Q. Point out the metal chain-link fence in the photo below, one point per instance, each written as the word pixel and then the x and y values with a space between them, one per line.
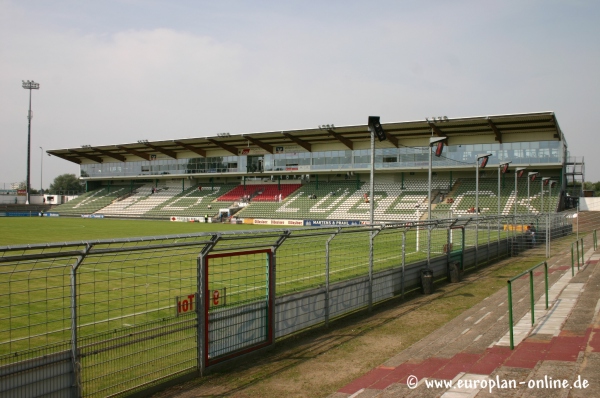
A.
pixel 113 317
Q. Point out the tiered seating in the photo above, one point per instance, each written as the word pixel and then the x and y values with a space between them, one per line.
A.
pixel 299 204
pixel 260 192
pixel 143 200
pixel 238 192
pixel 271 192
pixel 391 204
pixel 92 201
pixel 193 203
pixel 464 198
pixel 423 184
pixel 343 201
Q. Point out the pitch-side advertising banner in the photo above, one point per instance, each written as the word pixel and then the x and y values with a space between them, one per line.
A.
pixel 264 221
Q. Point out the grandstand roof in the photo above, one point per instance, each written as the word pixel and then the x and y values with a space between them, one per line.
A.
pixel 500 128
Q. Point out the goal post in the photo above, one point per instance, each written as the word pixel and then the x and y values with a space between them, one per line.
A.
pixel 236 303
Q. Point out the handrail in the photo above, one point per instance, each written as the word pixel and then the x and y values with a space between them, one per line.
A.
pixel 531 298
pixel 579 257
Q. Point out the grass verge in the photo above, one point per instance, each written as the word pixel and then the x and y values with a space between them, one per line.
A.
pixel 318 362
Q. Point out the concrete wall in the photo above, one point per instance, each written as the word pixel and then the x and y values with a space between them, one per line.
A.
pixel 589 204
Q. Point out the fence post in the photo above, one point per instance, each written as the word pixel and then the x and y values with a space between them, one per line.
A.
pixel 327 277
pixel 546 281
pixel 498 241
pixel 372 236
pixel 74 347
pixel 577 255
pixel 572 261
pixel 488 242
pixel 428 245
pixel 403 262
pixel 582 254
pixel 531 299
pixel 477 240
pixel 548 236
pixel 272 276
pixel 202 288
pixel 510 317
pixel 514 236
pixel 448 251
pixel 371 254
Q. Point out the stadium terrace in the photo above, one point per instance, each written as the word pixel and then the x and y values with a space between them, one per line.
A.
pixel 323 173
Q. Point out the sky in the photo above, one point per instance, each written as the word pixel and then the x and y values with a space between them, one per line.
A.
pixel 118 71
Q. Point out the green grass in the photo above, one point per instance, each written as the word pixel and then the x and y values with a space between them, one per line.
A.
pixel 29 230
pixel 119 294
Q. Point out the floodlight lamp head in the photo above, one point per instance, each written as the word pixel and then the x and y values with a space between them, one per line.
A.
pixel 504 166
pixel 435 140
pixel 375 126
pixel 484 162
pixel 30 85
pixel 545 180
pixel 532 175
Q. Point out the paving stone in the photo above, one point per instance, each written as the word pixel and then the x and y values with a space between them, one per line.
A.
pixel 564 342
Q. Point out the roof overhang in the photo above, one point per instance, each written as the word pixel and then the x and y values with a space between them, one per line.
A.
pixel 495 128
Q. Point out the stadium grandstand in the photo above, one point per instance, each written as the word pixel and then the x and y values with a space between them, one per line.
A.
pixel 297 177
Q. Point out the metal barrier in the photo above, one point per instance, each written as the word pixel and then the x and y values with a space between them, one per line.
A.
pixel 531 297
pixel 578 257
pixel 121 316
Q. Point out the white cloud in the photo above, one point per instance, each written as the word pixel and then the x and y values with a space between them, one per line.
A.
pixel 199 69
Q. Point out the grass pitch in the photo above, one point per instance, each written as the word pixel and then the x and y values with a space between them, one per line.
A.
pixel 29 230
pixel 121 296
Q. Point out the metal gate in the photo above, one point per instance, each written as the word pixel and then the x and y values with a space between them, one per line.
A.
pixel 238 304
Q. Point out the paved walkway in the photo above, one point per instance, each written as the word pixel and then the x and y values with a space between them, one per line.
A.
pixel 562 346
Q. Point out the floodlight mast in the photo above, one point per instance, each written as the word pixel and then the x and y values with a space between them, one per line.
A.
pixel 485 157
pixel 479 157
pixel 529 175
pixel 542 183
pixel 502 167
pixel 517 171
pixel 29 85
pixel 432 142
pixel 41 170
pixel 376 130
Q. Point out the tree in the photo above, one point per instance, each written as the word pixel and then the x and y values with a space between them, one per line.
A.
pixel 64 183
